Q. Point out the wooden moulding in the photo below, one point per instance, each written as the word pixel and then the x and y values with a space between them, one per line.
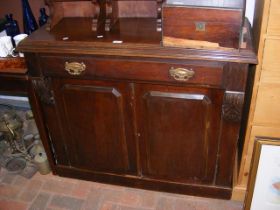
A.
pixel 104 13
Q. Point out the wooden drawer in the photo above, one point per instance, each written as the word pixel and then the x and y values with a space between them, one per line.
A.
pixel 270 77
pixel 273 27
pixel 208 74
pixel 267 105
pixel 271 61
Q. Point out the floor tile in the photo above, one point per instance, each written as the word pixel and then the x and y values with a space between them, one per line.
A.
pixel 12 205
pixel 40 202
pixel 58 186
pixel 66 202
pixel 8 191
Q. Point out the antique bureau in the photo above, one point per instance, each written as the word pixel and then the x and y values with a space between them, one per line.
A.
pixel 117 106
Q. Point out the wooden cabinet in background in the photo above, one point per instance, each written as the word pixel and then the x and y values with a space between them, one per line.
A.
pixel 13 76
pixel 264 120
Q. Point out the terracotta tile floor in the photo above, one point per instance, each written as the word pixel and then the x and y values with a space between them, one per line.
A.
pixel 53 192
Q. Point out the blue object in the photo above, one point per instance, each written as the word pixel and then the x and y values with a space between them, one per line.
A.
pixel 43 17
pixel 29 22
pixel 11 26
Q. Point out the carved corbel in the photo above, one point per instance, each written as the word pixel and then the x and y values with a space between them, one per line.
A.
pixel 43 89
pixel 233 106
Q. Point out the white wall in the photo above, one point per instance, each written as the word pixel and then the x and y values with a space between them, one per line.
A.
pixel 250 6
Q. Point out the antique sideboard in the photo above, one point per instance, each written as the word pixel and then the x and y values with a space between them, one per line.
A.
pixel 114 105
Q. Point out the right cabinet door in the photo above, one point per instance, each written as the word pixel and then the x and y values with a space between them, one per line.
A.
pixel 178 130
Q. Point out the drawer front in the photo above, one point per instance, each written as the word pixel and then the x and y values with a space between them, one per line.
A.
pixel 271 61
pixel 135 70
pixel 267 105
pixel 270 77
pixel 274 16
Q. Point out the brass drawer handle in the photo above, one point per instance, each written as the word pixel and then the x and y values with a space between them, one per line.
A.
pixel 181 74
pixel 75 68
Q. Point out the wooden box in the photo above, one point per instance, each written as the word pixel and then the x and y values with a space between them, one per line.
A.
pixel 203 23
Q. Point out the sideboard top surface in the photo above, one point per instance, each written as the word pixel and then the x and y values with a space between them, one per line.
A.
pixel 130 37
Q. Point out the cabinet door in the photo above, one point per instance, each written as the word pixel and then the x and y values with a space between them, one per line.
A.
pixel 94 120
pixel 179 132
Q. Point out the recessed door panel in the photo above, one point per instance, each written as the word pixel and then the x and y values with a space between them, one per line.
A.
pixel 94 122
pixel 179 132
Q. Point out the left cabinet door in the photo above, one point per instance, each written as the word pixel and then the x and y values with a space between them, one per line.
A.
pixel 95 121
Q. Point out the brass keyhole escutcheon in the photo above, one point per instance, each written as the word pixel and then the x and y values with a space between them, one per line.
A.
pixel 200 26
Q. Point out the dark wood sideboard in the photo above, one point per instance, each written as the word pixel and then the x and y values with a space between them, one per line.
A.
pixel 136 113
